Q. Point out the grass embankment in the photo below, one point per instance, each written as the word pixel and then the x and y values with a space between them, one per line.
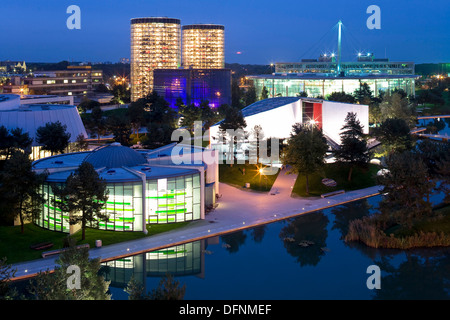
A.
pixel 239 174
pixel 15 246
pixel 361 178
pixel 430 232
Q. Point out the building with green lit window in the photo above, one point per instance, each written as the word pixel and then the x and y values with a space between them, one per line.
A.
pixel 145 187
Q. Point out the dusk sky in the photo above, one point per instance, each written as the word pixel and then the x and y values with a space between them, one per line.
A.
pixel 263 31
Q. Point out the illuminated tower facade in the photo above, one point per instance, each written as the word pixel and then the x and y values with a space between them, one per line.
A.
pixel 155 44
pixel 203 46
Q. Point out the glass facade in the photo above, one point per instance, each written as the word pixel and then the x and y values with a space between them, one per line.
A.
pixel 203 46
pixel 155 44
pixel 194 86
pixel 173 199
pixel 180 260
pixel 349 68
pixel 290 86
pixel 51 217
pixel 168 200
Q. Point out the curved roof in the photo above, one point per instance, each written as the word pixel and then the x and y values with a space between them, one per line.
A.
pixel 30 117
pixel 115 156
pixel 267 104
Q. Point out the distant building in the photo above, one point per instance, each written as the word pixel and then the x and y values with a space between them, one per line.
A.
pixel 29 115
pixel 203 46
pixel 76 80
pixel 194 86
pixel 320 77
pixel 155 44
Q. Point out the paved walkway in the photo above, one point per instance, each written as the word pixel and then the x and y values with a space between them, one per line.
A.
pixel 238 209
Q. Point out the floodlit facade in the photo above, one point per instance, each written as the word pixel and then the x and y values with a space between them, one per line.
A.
pixel 155 44
pixel 194 86
pixel 145 187
pixel 276 116
pixel 203 46
pixel 30 114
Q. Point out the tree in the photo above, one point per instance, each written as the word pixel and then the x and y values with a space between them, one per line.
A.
pixel 208 115
pixel 396 105
pixel 341 97
pixel 189 114
pixel 443 169
pixel 258 136
pixel 395 135
pixel 405 186
pixel 158 135
pixel 6 274
pixel 136 114
pixel 233 121
pixel 159 110
pixel 120 127
pixel 19 188
pixel 88 104
pixel 83 196
pixel 264 93
pixel 236 94
pixel 54 286
pixel 305 151
pixel 53 137
pixel 364 94
pixel 250 96
pixel 13 140
pixel 96 123
pixel 353 149
pixel 81 144
pixel 168 289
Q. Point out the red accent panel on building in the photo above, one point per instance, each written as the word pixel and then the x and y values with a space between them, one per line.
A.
pixel 318 114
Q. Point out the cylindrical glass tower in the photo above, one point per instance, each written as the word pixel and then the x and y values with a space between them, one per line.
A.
pixel 203 46
pixel 155 44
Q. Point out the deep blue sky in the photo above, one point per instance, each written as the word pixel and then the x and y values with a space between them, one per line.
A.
pixel 264 31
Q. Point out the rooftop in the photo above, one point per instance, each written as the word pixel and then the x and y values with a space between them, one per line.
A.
pixel 329 76
pixel 115 156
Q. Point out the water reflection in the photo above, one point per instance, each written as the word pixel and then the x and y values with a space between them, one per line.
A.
pixel 181 260
pixel 345 213
pixel 305 238
pixel 235 263
pixel 419 276
pixel 233 241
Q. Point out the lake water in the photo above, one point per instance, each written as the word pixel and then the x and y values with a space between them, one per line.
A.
pixel 261 264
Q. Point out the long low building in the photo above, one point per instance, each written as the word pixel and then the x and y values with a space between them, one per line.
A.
pixel 318 84
pixel 145 186
pixel 276 116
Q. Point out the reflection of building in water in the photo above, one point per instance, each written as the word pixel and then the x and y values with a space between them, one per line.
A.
pixel 181 260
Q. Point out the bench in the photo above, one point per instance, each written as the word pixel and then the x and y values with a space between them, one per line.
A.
pixel 46 254
pixel 41 246
pixel 330 194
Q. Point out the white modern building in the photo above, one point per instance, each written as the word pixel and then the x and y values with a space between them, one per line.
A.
pixel 30 114
pixel 276 116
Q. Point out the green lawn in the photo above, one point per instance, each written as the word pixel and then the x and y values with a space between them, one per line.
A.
pixel 16 246
pixel 234 175
pixel 361 178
